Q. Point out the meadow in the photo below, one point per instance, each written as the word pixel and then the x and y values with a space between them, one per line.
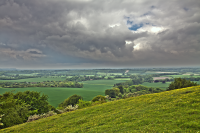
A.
pixel 169 111
pixel 181 76
pixel 157 85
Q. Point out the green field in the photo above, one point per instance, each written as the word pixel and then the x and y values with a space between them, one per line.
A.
pixel 180 76
pixel 198 82
pixel 122 79
pixel 59 94
pixel 157 85
pixel 175 111
pixel 101 73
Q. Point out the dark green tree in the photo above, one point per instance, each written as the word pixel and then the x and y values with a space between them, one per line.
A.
pixel 14 113
pixel 99 98
pixel 112 93
pixel 180 83
pixel 107 92
pixel 38 103
pixel 121 88
pixel 72 100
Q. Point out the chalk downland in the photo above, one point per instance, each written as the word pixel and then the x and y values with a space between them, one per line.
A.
pixel 170 111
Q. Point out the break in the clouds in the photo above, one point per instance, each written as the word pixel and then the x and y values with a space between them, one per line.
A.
pixel 99 33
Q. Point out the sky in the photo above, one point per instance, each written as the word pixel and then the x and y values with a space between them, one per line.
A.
pixel 80 34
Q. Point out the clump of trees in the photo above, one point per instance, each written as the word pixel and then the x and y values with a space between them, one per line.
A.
pixel 180 83
pixel 84 78
pixel 122 91
pixel 16 108
pixel 136 80
pixel 140 90
pixel 17 77
pixel 72 100
pixel 41 84
pixel 99 98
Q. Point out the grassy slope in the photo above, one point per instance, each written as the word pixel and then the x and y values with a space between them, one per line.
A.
pixel 171 111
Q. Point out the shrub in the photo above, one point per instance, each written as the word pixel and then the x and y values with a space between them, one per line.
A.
pixel 107 92
pixel 107 96
pixel 13 113
pixel 36 117
pixel 70 108
pixel 99 98
pixel 33 118
pixel 121 88
pixel 125 96
pixel 36 101
pixel 72 100
pixel 120 95
pixel 112 94
pixel 1 124
pixel 83 104
pixel 117 91
pixel 180 83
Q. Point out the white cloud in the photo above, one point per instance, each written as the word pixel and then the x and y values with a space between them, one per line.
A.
pixel 113 25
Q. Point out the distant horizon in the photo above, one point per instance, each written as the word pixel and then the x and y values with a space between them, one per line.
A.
pixel 100 68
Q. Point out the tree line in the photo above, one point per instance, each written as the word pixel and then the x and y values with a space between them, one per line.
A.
pixel 69 84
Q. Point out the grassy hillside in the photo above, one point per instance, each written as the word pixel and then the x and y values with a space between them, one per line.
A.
pixel 171 111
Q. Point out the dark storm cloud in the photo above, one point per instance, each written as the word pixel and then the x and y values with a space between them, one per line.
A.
pixel 98 31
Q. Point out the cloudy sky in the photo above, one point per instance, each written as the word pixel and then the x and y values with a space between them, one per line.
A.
pixel 61 34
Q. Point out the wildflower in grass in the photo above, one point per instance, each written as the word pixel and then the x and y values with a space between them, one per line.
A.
pixel 0 119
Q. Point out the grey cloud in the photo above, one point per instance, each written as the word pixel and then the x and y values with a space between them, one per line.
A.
pixel 80 29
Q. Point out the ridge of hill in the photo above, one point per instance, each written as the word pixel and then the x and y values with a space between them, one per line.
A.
pixel 170 111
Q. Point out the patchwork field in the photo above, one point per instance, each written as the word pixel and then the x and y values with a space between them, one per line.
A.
pixel 59 94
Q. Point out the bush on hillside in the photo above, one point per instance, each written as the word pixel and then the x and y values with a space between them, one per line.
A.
pixel 121 88
pixel 36 117
pixel 38 103
pixel 83 104
pixel 117 91
pixel 99 98
pixel 14 113
pixel 70 108
pixel 72 100
pixel 112 93
pixel 180 83
pixel 120 95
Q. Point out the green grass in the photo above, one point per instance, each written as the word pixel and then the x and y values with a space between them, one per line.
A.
pixel 157 85
pixel 122 78
pixel 59 94
pixel 198 82
pixel 180 76
pixel 102 73
pixel 173 111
